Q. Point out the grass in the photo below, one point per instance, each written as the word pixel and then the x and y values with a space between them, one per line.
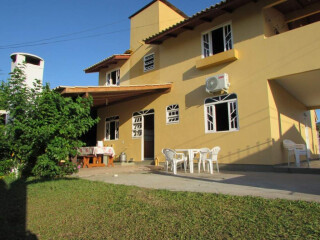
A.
pixel 81 209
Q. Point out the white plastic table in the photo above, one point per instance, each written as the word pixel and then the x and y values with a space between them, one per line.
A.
pixel 191 152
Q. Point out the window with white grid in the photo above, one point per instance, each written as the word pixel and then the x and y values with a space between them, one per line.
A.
pixel 137 122
pixel 217 40
pixel 173 114
pixel 137 126
pixel 221 113
pixel 112 128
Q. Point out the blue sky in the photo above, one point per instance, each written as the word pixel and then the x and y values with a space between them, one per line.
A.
pixel 71 35
pixel 98 29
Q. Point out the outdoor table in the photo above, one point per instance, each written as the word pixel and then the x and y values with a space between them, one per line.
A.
pixel 96 154
pixel 191 152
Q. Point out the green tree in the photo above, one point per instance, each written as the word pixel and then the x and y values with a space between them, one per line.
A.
pixel 44 127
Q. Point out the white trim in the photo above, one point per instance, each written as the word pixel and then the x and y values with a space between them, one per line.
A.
pixel 144 62
pixel 117 124
pixel 212 104
pixel 117 77
pixel 210 37
pixel 167 114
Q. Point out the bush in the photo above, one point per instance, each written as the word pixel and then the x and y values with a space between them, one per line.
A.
pixel 44 128
pixel 6 166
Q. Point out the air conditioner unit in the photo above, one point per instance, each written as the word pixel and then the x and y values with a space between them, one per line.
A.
pixel 217 83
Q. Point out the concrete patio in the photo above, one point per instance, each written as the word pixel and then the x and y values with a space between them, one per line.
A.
pixel 292 186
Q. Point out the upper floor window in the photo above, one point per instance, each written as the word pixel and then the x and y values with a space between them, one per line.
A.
pixel 173 113
pixel 217 40
pixel 221 113
pixel 112 128
pixel 148 62
pixel 113 78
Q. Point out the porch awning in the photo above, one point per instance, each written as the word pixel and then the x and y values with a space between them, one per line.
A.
pixel 107 95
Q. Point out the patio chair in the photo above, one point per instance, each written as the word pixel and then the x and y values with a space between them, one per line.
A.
pixel 203 154
pixel 197 159
pixel 174 159
pixel 296 150
pixel 210 156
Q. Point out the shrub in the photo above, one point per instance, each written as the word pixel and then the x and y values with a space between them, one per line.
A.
pixel 6 166
pixel 44 127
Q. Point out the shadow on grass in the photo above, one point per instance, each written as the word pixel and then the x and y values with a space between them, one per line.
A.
pixel 13 209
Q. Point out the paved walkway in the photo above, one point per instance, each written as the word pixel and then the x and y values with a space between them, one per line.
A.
pixel 263 184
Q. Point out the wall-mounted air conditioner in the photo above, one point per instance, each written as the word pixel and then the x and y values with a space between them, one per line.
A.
pixel 217 83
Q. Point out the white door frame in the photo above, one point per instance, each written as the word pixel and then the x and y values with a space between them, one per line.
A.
pixel 143 114
pixel 142 137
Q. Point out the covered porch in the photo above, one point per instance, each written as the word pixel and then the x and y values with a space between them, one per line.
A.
pixel 106 97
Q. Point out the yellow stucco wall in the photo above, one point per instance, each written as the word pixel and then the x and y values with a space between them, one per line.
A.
pixel 267 112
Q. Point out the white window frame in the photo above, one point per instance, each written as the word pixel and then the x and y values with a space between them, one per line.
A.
pixel 209 109
pixel 210 50
pixel 108 78
pixel 145 59
pixel 114 119
pixel 172 112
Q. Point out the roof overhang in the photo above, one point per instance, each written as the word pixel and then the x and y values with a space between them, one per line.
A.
pixel 304 87
pixel 207 15
pixel 108 95
pixel 114 59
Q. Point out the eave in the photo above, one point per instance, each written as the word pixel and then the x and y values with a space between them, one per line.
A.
pixel 114 59
pixel 189 24
pixel 108 95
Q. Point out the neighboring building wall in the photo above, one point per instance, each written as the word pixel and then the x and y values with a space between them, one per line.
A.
pixel 260 59
pixel 33 70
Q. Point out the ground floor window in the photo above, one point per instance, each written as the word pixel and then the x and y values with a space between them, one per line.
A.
pixel 221 113
pixel 112 128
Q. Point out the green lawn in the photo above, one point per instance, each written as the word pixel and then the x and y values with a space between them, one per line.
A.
pixel 81 209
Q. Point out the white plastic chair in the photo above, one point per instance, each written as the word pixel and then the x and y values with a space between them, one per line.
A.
pixel 171 158
pixel 203 152
pixel 210 156
pixel 296 150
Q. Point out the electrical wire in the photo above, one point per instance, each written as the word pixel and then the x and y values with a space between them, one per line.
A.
pixel 61 36
pixel 47 41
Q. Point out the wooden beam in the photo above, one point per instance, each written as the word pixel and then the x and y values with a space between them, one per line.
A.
pixel 171 35
pixel 106 89
pixel 303 13
pixel 313 107
pixel 228 10
pixel 188 27
pixel 274 3
pixel 206 19
pixel 299 3
pixel 157 42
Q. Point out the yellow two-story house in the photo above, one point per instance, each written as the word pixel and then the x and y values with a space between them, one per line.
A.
pixel 243 75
